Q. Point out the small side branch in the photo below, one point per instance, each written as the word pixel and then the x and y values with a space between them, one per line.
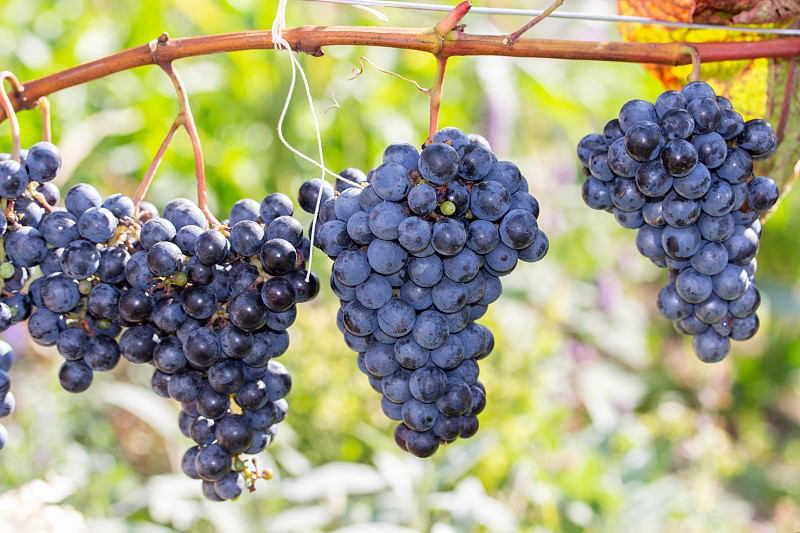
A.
pixel 546 13
pixel 451 20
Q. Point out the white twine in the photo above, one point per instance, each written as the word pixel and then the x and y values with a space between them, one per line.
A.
pixel 278 25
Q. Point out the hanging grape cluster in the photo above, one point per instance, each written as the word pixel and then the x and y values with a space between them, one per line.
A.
pixel 420 245
pixel 680 172
pixel 208 308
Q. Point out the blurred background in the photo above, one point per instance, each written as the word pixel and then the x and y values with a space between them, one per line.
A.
pixel 599 417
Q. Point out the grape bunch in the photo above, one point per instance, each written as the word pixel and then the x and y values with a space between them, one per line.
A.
pixel 7 401
pixel 419 248
pixel 680 172
pixel 207 308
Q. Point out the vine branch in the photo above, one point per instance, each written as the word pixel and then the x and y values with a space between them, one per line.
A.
pixel 312 39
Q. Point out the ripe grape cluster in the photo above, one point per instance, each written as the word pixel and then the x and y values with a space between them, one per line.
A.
pixel 680 172
pixel 419 247
pixel 207 308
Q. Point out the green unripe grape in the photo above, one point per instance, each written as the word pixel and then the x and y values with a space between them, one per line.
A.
pixel 179 279
pixel 6 270
pixel 84 286
pixel 104 324
pixel 447 208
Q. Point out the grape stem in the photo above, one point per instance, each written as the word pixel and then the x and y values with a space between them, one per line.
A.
pixel 8 109
pixel 442 28
pixel 435 95
pixel 141 191
pixel 312 39
pixel 184 119
pixel 44 105
pixel 692 51
pixel 517 34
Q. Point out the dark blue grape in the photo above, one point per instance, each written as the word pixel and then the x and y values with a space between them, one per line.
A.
pixel 706 114
pixel 587 145
pixel 669 100
pixel 596 194
pixel 138 343
pixel 719 199
pixel 391 182
pixel 644 141
pixel 247 238
pixel 97 224
pixel 731 283
pixel 762 193
pixel 59 293
pixel 184 212
pixel 710 347
pixel 75 376
pixel 81 197
pixel 758 138
pixel 742 245
pixel 692 286
pixel 384 220
pixel 635 111
pixel 599 165
pixel 43 161
pixel 475 162
pixel 111 265
pixel 13 179
pixel 386 257
pixel 422 199
pixel 102 353
pixel 697 89
pixel 28 212
pixel 164 259
pixel 438 163
pixel 278 257
pixel 402 154
pixel 711 149
pixel 72 343
pixel 430 329
pixel 731 123
pixel 26 247
pixel 157 230
pixel 652 180
pixel 59 228
pixel 625 195
pixel 358 228
pixel 278 294
pixel 396 318
pixel 619 160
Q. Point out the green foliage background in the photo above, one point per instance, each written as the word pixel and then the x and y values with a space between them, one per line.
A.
pixel 599 418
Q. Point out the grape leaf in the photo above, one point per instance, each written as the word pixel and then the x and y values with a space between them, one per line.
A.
pixel 757 87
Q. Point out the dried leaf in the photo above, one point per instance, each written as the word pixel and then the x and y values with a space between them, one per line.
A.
pixel 757 87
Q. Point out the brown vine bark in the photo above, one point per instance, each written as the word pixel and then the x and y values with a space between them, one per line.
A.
pixel 312 39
